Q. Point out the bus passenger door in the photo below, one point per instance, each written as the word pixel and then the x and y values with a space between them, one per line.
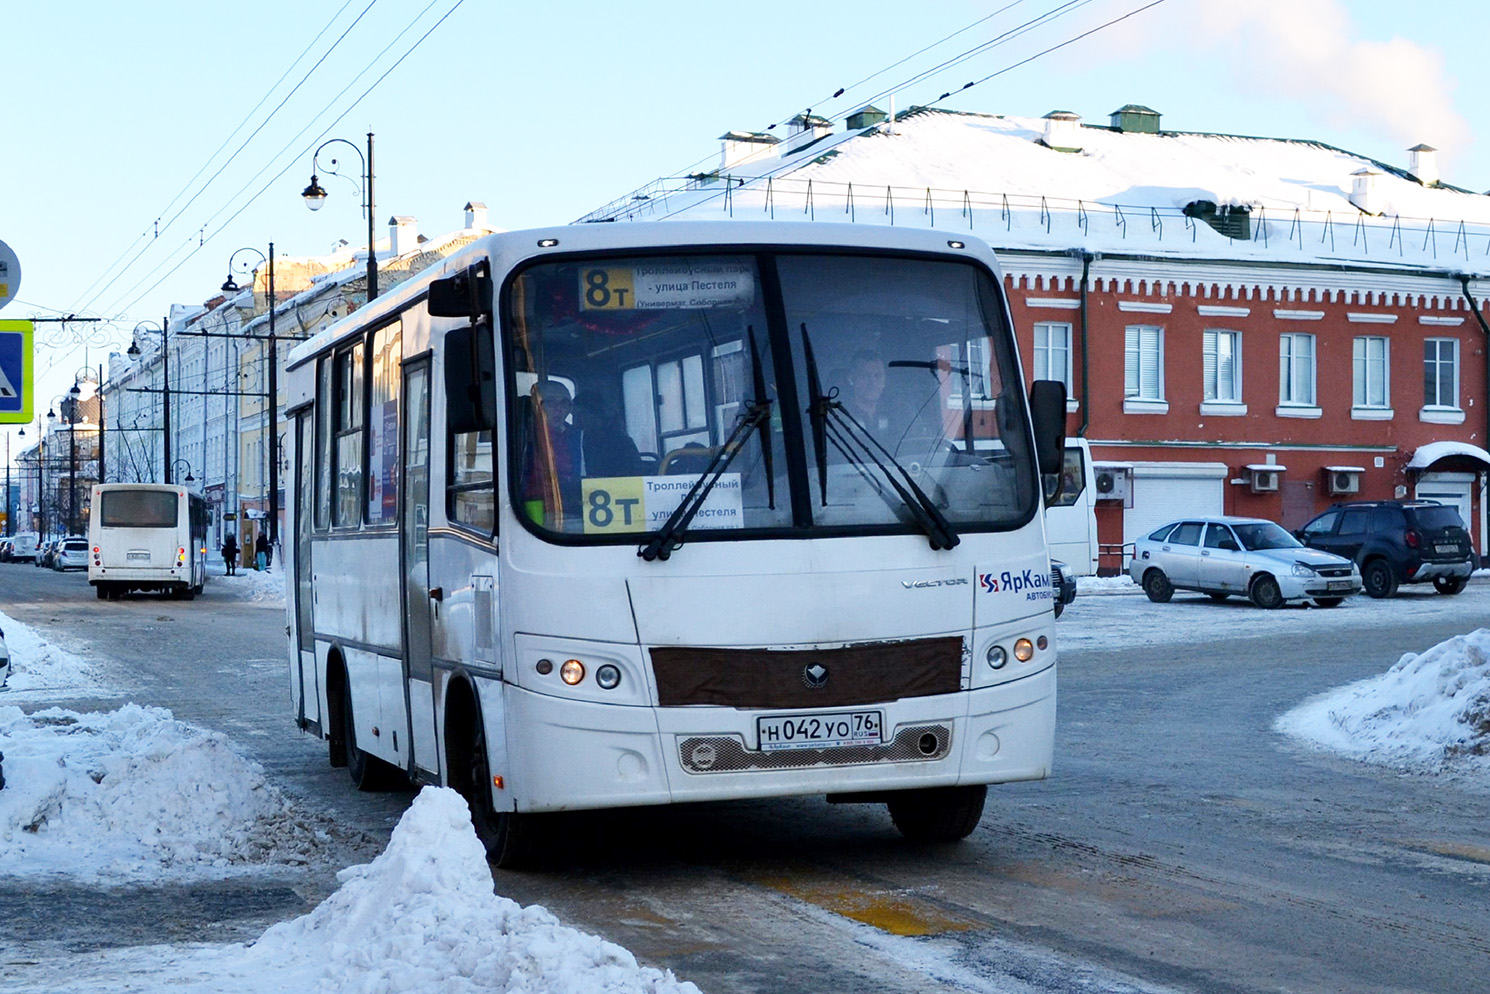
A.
pixel 414 527
pixel 309 703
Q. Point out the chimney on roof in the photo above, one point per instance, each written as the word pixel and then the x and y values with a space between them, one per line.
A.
pixel 806 128
pixel 1363 190
pixel 403 234
pixel 737 146
pixel 865 117
pixel 1063 131
pixel 1422 162
pixel 476 214
pixel 1136 119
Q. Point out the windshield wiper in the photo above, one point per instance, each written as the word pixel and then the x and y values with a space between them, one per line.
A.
pixel 757 417
pixel 832 422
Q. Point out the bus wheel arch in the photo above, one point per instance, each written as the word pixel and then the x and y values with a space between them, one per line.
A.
pixel 507 836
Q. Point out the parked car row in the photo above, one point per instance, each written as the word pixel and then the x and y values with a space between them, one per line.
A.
pixel 1370 545
pixel 58 554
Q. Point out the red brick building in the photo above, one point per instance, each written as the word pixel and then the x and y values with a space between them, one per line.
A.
pixel 1246 325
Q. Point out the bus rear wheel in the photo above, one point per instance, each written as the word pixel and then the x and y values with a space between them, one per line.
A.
pixel 938 814
pixel 369 773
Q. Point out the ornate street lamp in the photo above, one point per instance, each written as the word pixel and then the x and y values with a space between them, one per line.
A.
pixel 229 286
pixel 315 195
pixel 165 351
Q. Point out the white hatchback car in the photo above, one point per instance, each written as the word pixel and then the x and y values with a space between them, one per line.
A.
pixel 1249 556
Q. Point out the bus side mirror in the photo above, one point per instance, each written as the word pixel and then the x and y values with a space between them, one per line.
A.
pixel 470 379
pixel 467 294
pixel 1048 416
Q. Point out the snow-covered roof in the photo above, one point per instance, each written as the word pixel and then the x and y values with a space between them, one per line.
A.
pixel 1119 193
pixel 1427 455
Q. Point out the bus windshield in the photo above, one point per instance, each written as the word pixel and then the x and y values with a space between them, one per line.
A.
pixel 891 396
pixel 139 509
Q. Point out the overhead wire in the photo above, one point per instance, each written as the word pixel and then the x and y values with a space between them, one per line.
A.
pixel 203 236
pixel 1017 31
pixel 264 123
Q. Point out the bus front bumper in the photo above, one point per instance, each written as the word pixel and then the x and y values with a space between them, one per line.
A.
pixel 647 756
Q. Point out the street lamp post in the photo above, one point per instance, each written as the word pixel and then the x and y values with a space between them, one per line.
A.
pixel 315 196
pixel 231 287
pixel 165 352
pixel 188 478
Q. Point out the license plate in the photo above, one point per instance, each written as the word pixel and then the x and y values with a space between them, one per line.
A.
pixel 137 557
pixel 1340 585
pixel 1446 549
pixel 818 731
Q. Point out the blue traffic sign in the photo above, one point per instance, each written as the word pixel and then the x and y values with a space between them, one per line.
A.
pixel 16 388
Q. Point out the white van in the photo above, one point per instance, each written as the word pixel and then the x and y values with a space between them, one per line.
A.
pixel 1071 522
pixel 23 547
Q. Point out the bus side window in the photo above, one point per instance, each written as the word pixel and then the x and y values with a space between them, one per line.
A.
pixel 382 425
pixel 350 399
pixel 323 445
pixel 470 484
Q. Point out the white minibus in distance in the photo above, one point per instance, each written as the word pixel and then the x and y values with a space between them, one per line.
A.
pixel 147 536
pixel 637 514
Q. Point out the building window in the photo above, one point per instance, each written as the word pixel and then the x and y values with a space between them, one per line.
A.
pixel 1296 370
pixel 1370 364
pixel 1143 364
pixel 1053 352
pixel 1441 373
pixel 1222 367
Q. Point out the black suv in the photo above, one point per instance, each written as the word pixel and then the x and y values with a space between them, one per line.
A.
pixel 1396 541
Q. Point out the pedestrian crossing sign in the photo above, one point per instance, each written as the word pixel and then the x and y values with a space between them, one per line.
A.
pixel 16 388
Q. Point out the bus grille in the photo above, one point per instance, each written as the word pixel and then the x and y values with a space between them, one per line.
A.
pixel 727 754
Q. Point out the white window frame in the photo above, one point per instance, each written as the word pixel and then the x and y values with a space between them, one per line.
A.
pixel 1298 375
pixel 1221 390
pixel 1143 345
pixel 1438 409
pixel 1371 378
pixel 1052 360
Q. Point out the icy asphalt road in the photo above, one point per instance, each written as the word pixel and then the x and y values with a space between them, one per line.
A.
pixel 1181 844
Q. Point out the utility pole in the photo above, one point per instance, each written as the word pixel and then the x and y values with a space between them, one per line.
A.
pixel 274 401
pixel 165 352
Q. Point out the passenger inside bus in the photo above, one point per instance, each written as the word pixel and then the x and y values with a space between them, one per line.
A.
pixel 604 445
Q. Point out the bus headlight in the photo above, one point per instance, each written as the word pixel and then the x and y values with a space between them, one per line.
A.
pixel 1024 650
pixel 572 672
pixel 608 676
pixel 997 657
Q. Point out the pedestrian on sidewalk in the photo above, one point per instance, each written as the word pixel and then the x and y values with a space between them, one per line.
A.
pixel 261 551
pixel 230 554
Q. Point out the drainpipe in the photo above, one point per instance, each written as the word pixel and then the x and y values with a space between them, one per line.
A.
pixel 1087 258
pixel 1485 399
pixel 1485 329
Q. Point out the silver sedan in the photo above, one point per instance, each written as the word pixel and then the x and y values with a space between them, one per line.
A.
pixel 1249 556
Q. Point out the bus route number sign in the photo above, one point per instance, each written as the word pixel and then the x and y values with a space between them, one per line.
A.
pixel 613 504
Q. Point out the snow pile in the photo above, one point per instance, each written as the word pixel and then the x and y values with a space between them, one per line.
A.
pixel 1429 711
pixel 37 666
pixel 135 794
pixel 423 917
pixel 259 586
pixel 1089 586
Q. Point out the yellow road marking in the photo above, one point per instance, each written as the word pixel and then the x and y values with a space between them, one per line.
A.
pixel 892 911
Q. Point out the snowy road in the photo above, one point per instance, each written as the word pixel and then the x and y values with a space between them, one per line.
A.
pixel 1182 844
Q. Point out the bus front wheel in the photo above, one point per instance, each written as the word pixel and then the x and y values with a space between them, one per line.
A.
pixel 507 836
pixel 938 814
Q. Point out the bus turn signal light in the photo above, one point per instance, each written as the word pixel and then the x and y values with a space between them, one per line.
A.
pixel 572 672
pixel 1024 650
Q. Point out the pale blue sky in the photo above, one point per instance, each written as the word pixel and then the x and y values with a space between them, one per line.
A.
pixel 546 111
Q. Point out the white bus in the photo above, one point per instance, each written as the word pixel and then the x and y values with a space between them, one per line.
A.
pixel 637 514
pixel 147 536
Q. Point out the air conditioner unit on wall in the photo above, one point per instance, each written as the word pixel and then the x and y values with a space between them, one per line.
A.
pixel 1113 482
pixel 1265 477
pixel 1341 480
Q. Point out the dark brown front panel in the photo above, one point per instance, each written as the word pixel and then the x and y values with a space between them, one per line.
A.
pixel 774 678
